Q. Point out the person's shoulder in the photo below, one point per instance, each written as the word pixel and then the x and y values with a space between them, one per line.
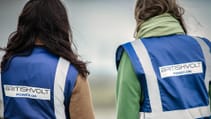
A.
pixel 206 40
pixel 73 72
pixel 73 68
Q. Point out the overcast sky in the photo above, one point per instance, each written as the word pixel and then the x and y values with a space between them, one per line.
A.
pixel 99 26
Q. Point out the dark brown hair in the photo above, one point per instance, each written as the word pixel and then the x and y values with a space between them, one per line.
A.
pixel 47 21
pixel 146 9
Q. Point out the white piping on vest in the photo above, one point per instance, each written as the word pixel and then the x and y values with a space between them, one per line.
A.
pixel 59 85
pixel 192 113
pixel 151 79
pixel 1 93
pixel 207 56
pixel 1 100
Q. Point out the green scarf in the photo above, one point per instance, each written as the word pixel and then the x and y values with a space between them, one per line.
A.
pixel 160 25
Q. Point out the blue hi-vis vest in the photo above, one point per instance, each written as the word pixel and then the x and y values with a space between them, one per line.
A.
pixel 174 72
pixel 38 86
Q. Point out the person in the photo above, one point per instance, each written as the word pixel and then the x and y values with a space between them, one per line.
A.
pixel 42 77
pixel 164 73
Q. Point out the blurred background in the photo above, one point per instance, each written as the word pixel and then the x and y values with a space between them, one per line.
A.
pixel 99 26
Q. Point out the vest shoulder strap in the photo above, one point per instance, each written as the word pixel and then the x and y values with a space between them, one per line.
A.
pixel 206 49
pixel 59 85
pixel 129 50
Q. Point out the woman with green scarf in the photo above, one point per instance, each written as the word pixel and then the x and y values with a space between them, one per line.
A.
pixel 164 73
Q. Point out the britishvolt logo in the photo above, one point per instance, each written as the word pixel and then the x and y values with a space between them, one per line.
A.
pixel 27 92
pixel 181 69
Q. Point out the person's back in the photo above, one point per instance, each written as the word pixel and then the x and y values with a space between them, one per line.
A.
pixel 164 73
pixel 29 85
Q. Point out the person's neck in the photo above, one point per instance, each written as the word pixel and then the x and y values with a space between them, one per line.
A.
pixel 39 42
pixel 161 25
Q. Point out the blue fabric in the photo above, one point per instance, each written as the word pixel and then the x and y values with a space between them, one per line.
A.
pixel 69 86
pixel 119 53
pixel 204 118
pixel 36 70
pixel 207 42
pixel 179 92
pixel 145 106
pixel 176 91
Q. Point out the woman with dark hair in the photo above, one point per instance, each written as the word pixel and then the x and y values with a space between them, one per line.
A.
pixel 42 77
pixel 164 73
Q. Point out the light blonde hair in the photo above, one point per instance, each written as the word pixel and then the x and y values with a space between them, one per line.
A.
pixel 146 9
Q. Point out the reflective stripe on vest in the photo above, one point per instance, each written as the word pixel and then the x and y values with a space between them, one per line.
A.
pixel 1 100
pixel 1 95
pixel 207 56
pixel 59 84
pixel 154 92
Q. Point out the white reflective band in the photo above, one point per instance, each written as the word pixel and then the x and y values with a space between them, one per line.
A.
pixel 181 69
pixel 1 100
pixel 27 92
pixel 1 94
pixel 207 56
pixel 192 113
pixel 59 85
pixel 151 79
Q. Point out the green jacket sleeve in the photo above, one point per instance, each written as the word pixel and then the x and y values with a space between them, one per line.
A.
pixel 128 91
